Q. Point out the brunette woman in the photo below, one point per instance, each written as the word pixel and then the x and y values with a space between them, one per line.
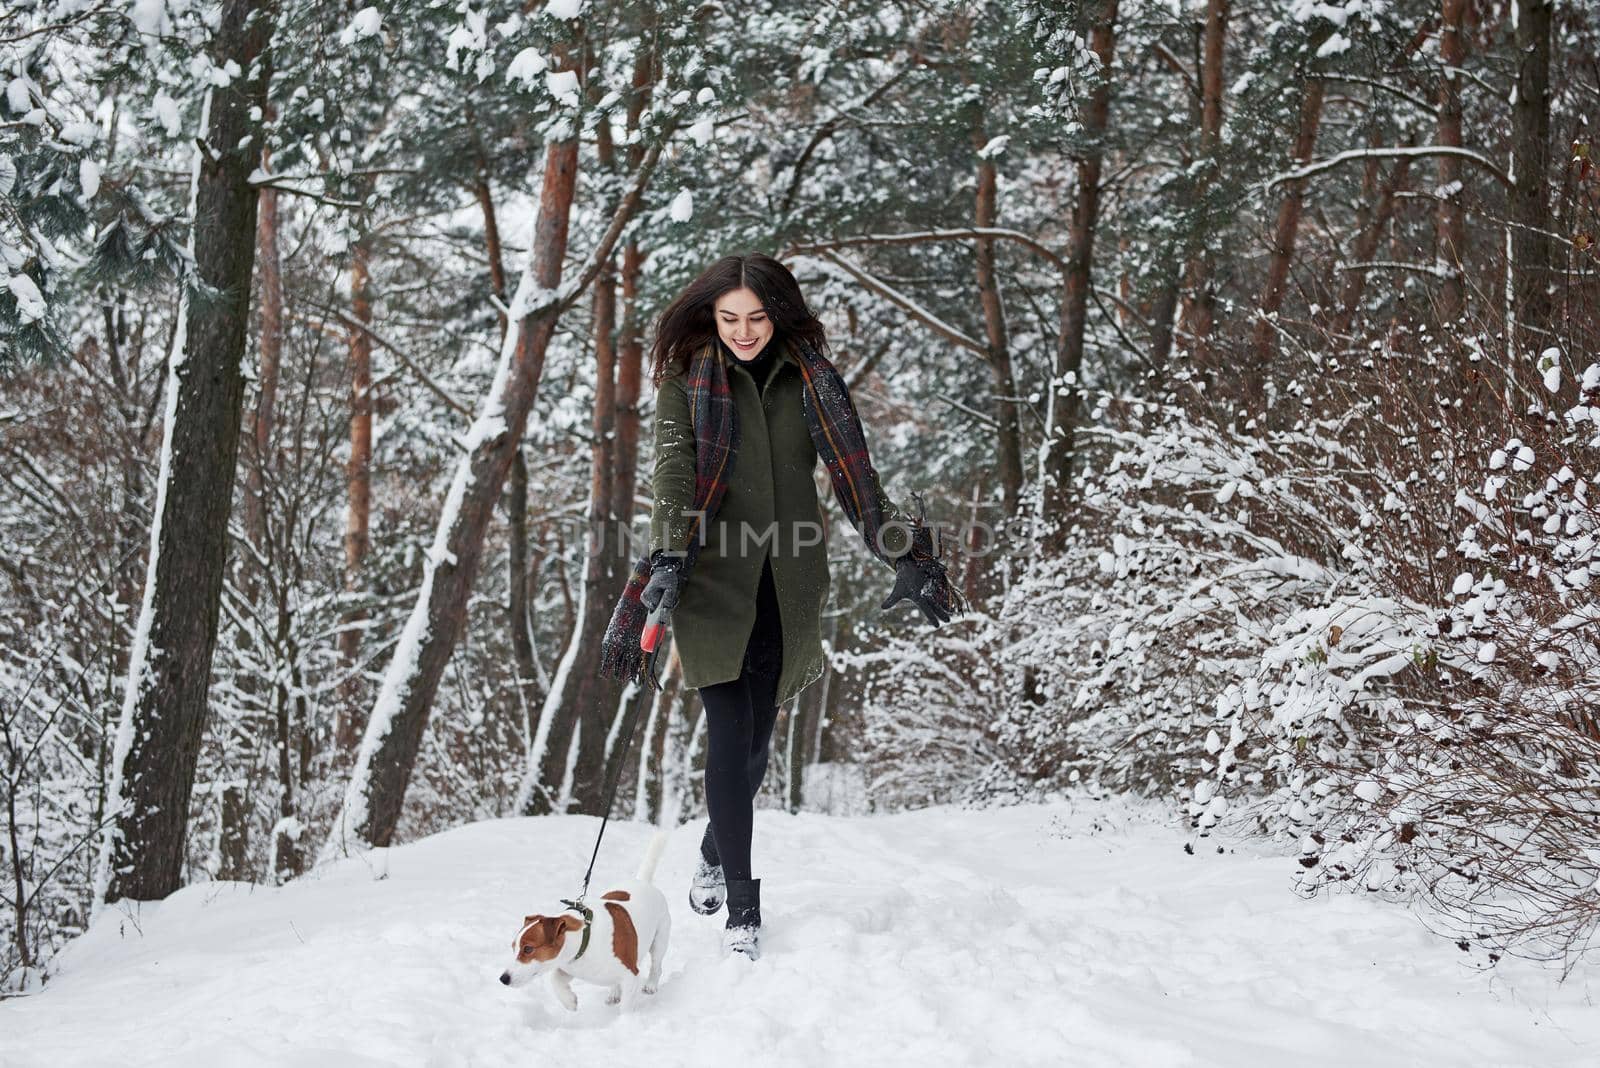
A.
pixel 746 403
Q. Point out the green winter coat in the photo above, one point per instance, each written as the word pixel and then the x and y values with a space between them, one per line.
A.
pixel 770 508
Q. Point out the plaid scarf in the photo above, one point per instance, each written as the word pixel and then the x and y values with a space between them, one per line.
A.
pixel 840 442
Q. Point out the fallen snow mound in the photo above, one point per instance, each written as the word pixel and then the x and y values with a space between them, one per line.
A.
pixel 1040 935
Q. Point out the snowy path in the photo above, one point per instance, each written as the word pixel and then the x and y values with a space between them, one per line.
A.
pixel 1034 935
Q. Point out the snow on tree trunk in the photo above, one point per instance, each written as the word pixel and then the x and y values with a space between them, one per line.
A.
pixel 377 787
pixel 164 710
pixel 519 612
pixel 542 780
pixel 581 693
pixel 530 673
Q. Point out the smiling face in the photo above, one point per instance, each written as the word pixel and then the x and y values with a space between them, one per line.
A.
pixel 742 323
pixel 539 947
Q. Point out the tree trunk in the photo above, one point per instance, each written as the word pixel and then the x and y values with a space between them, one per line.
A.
pixel 1211 69
pixel 236 811
pixel 646 769
pixel 377 788
pixel 1531 259
pixel 288 860
pixel 358 481
pixel 234 848
pixel 804 726
pixel 1068 384
pixel 689 760
pixel 657 790
pixel 581 693
pixel 630 377
pixel 372 802
pixel 619 745
pixel 581 698
pixel 1366 246
pixel 519 612
pixel 165 709
pixel 1199 307
pixel 269 278
pixel 1008 445
pixel 1163 315
pixel 630 339
pixel 491 238
pixel 1450 225
pixel 1264 344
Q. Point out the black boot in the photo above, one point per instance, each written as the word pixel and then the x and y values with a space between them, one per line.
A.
pixel 742 934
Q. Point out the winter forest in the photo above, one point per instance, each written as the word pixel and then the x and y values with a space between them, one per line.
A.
pixel 1246 355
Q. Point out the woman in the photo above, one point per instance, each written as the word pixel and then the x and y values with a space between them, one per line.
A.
pixel 746 402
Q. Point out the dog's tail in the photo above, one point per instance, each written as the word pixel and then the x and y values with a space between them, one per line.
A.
pixel 652 854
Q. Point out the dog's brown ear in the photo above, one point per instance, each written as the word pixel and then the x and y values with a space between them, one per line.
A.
pixel 531 919
pixel 571 922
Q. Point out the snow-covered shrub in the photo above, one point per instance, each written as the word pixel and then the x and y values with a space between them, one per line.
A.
pixel 926 701
pixel 1371 636
pixel 1200 566
pixel 50 799
pixel 1484 797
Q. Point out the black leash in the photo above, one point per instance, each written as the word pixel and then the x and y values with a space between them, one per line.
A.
pixel 650 642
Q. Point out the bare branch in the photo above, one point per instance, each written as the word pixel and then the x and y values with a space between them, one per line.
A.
pixel 957 233
pixel 416 368
pixel 1321 165
pixel 907 304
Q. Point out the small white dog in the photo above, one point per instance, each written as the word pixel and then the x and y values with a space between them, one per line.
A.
pixel 603 947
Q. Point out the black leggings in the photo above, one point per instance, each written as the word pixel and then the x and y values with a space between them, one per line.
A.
pixel 739 718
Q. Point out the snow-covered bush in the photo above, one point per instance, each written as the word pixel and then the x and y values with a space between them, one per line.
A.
pixel 50 798
pixel 1483 795
pixel 926 702
pixel 1370 636
pixel 1200 562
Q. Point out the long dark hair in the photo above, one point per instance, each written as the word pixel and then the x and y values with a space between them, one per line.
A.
pixel 689 322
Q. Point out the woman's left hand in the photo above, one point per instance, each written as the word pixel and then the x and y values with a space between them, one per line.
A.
pixel 910 583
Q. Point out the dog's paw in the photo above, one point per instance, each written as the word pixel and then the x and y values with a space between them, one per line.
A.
pixel 649 988
pixel 614 995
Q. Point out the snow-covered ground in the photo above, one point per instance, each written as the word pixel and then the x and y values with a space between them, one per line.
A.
pixel 1051 935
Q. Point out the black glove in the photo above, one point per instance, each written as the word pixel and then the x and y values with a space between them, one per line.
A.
pixel 911 582
pixel 666 578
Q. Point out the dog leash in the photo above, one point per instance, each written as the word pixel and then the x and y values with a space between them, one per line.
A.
pixel 655 627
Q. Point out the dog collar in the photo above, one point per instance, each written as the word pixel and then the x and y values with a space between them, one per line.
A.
pixel 588 918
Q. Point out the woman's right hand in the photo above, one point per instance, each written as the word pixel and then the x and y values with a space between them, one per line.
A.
pixel 666 579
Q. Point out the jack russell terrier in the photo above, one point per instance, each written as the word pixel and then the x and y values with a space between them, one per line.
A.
pixel 599 945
